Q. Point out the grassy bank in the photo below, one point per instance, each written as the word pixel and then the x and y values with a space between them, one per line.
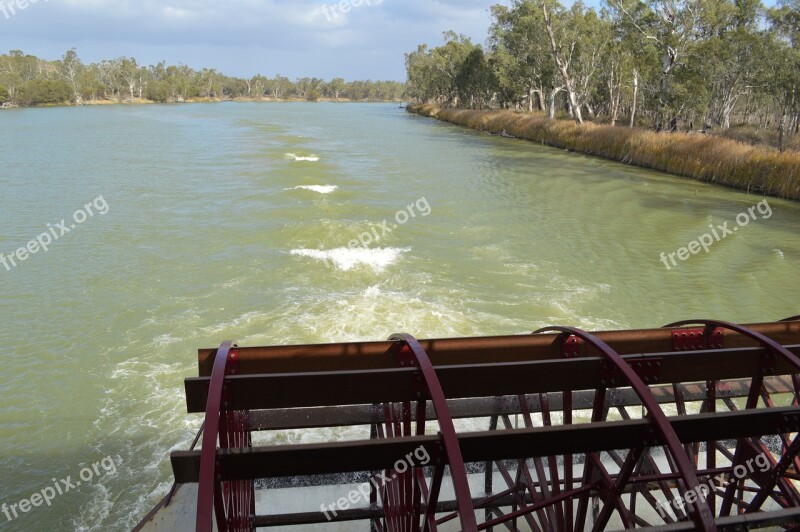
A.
pixel 704 157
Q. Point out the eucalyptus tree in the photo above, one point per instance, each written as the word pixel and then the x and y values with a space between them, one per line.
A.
pixel 672 26
pixel 71 69
pixel 335 87
pixel 563 39
pixel 785 66
pixel 11 78
pixel 731 50
pixel 433 72
pixel 279 86
pixel 257 86
pixel 521 58
pixel 128 72
pixel 422 79
pixel 475 81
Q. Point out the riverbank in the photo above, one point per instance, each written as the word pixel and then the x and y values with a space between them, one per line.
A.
pixel 143 101
pixel 703 157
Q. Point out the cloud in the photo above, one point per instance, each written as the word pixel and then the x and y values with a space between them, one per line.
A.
pixel 244 37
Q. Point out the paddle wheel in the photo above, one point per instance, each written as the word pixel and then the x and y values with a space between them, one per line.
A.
pixel 693 426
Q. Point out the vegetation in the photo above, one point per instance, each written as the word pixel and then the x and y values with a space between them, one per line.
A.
pixel 702 65
pixel 703 157
pixel 29 80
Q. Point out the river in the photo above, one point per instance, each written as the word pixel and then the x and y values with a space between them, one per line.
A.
pixel 198 223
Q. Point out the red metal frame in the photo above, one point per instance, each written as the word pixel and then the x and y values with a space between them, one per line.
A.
pixel 403 494
pixel 233 502
pixel 702 516
pixel 543 489
pixel 547 504
pixel 747 449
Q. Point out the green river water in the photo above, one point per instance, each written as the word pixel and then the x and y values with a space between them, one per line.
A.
pixel 234 221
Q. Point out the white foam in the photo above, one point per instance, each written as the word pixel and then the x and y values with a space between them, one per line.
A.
pixel 246 318
pixel 165 339
pixel 295 157
pixel 321 189
pixel 346 258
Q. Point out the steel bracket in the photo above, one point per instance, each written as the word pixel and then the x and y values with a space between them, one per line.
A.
pixel 571 347
pixel 649 370
pixel 694 339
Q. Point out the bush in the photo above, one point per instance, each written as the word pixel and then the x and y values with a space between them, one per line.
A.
pixel 313 95
pixel 3 94
pixel 44 91
pixel 157 91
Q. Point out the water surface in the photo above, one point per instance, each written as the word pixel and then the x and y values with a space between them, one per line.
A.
pixel 233 221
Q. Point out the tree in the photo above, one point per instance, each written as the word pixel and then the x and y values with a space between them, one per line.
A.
pixel 335 87
pixel 565 32
pixel 784 66
pixel 125 78
pixel 279 86
pixel 17 68
pixel 422 80
pixel 259 86
pixel 71 69
pixel 475 80
pixel 673 26
pixel 433 72
pixel 521 58
pixel 128 72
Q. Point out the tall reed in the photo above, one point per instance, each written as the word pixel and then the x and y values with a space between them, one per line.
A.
pixel 704 157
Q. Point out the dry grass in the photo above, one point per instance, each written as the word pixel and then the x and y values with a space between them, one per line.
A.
pixel 755 136
pixel 704 157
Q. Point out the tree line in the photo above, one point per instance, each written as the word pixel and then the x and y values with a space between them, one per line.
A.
pixel 666 64
pixel 28 80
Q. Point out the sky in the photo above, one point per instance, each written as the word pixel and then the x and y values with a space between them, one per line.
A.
pixel 353 39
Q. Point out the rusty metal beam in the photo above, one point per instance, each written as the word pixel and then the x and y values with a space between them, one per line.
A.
pixel 343 416
pixel 450 351
pixel 338 388
pixel 373 455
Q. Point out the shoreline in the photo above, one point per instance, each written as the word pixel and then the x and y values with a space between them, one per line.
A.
pixel 705 158
pixel 142 101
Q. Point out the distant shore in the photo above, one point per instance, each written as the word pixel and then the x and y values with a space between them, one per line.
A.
pixel 706 158
pixel 142 101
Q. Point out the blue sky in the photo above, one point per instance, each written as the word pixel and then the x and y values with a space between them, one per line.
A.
pixel 243 37
pixel 294 38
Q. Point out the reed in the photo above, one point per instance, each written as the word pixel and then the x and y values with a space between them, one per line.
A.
pixel 708 158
